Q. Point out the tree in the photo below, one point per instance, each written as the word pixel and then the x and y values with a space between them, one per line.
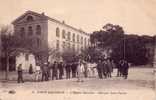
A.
pixel 70 56
pixel 44 55
pixel 11 45
pixel 130 47
pixel 109 36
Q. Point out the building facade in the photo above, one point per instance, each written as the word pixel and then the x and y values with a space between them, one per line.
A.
pixel 45 32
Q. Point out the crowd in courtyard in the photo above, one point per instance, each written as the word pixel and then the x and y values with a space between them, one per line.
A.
pixel 80 70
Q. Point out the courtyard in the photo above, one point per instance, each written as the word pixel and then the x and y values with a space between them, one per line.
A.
pixel 140 81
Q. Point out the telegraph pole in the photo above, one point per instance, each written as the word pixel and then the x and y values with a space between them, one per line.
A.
pixel 124 47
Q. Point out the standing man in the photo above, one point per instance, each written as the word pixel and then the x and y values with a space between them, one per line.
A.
pixel 85 70
pixel 99 68
pixel 125 69
pixel 55 71
pixel 61 72
pixel 20 73
pixel 105 68
pixel 119 68
pixel 80 71
pixel 44 72
pixel 68 70
pixel 110 68
pixel 37 73
pixel 73 69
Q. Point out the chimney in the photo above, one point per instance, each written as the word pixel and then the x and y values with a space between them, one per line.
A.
pixel 63 22
pixel 43 13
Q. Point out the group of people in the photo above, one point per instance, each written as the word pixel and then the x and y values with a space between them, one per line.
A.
pixel 79 70
pixel 105 68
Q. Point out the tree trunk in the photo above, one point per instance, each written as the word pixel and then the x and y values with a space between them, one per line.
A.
pixel 7 66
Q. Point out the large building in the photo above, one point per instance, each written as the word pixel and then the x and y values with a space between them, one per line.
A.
pixel 45 32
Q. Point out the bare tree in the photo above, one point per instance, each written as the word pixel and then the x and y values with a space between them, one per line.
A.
pixel 11 45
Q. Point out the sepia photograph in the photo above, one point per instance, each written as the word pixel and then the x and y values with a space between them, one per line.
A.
pixel 77 50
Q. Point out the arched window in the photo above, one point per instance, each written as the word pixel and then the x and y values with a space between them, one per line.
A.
pixel 73 37
pixel 85 42
pixel 38 30
pixel 57 44
pixel 64 45
pixel 81 40
pixel 30 18
pixel 63 34
pixel 38 41
pixel 78 38
pixel 22 32
pixel 88 41
pixel 30 30
pixel 57 32
pixel 69 36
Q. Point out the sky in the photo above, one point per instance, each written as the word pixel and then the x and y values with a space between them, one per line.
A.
pixel 135 16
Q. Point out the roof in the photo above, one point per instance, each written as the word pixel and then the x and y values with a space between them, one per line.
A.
pixel 49 18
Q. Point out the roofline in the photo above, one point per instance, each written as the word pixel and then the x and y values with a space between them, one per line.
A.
pixel 51 19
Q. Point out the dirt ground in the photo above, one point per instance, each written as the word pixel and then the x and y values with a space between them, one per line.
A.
pixel 140 85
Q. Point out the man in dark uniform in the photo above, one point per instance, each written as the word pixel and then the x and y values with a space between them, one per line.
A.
pixel 99 68
pixel 85 70
pixel 44 72
pixel 68 70
pixel 20 74
pixel 61 72
pixel 73 69
pixel 105 68
pixel 125 69
pixel 55 71
pixel 118 68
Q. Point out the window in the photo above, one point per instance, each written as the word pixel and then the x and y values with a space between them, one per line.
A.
pixel 38 30
pixel 73 37
pixel 69 36
pixel 38 41
pixel 27 57
pixel 57 32
pixel 63 34
pixel 78 38
pixel 64 45
pixel 88 41
pixel 68 45
pixel 85 42
pixel 73 47
pixel 81 40
pixel 57 44
pixel 30 18
pixel 30 30
pixel 22 32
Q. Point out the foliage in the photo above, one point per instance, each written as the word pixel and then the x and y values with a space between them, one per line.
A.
pixel 130 47
pixel 70 56
pixel 11 45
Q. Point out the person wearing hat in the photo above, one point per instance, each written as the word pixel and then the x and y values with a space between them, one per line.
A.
pixel 100 68
pixel 55 71
pixel 20 73
pixel 104 68
pixel 80 71
pixel 110 68
pixel 60 68
pixel 125 69
pixel 44 72
pixel 68 70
